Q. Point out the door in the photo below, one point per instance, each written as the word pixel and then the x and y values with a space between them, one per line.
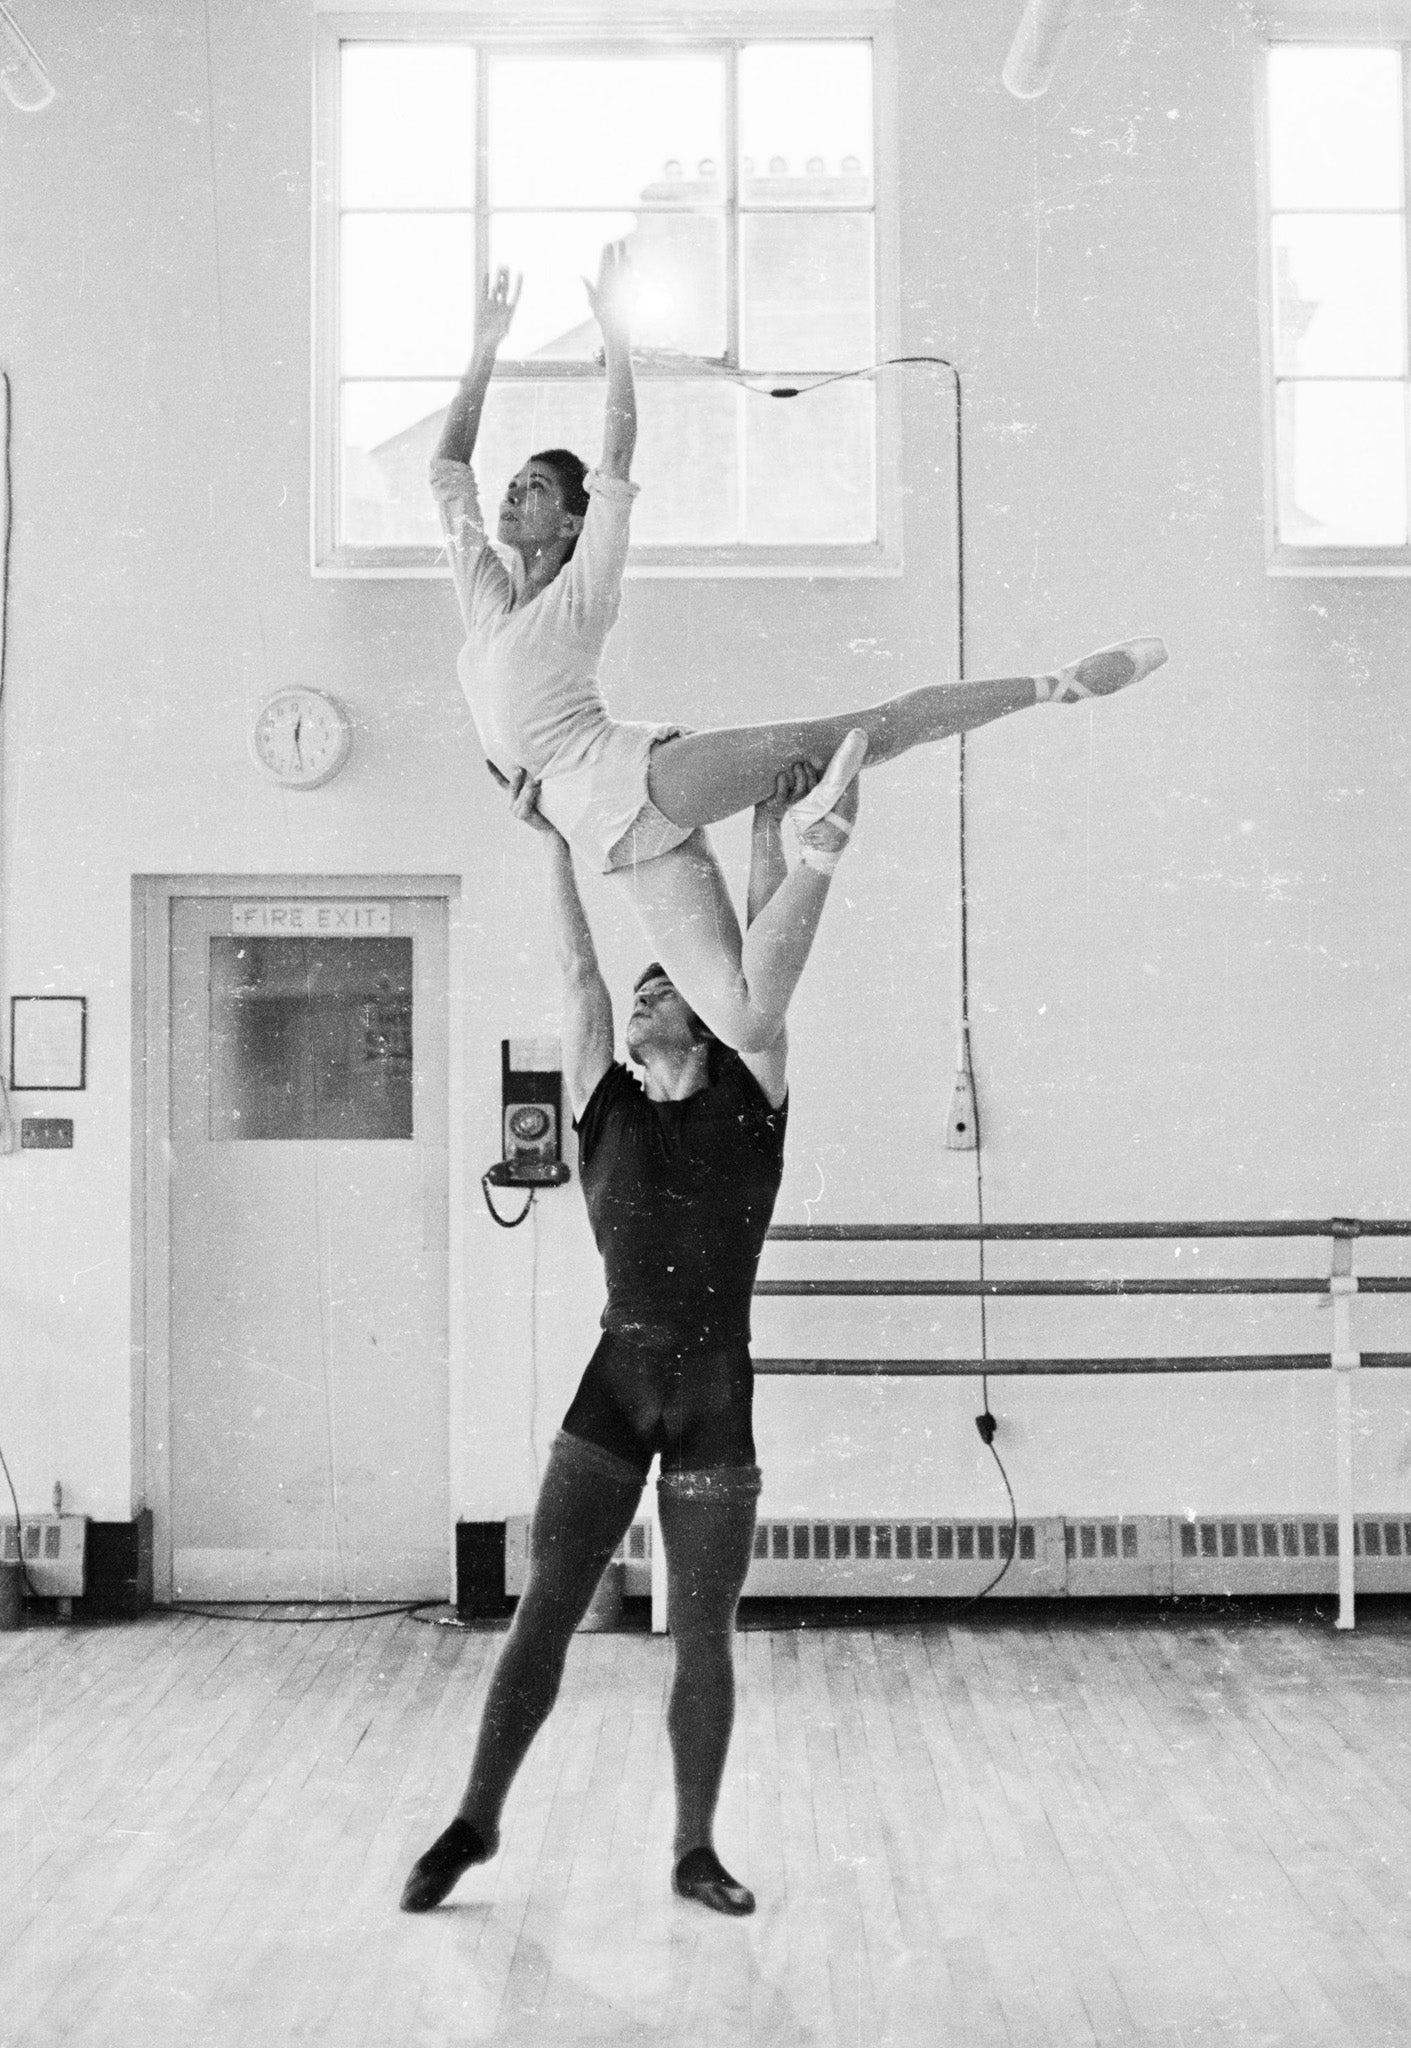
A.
pixel 308 1248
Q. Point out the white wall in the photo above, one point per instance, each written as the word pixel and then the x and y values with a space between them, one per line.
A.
pixel 1189 956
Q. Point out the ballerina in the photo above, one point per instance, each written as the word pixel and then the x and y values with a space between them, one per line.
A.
pixel 633 800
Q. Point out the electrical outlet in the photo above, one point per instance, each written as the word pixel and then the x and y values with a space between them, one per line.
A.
pixel 962 1134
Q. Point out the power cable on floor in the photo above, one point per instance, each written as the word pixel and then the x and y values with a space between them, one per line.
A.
pixel 223 1610
pixel 19 1529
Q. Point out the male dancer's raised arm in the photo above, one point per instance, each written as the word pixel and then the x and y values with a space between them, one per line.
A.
pixel 587 1006
pixel 768 870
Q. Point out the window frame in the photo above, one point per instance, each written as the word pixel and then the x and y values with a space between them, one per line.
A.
pixel 620 32
pixel 1295 25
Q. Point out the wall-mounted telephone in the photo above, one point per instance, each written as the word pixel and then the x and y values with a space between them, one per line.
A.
pixel 531 1091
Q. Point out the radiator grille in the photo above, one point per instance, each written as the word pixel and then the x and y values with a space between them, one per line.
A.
pixel 1057 1556
pixel 884 1542
pixel 53 1550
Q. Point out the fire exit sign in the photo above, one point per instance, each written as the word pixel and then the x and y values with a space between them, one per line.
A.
pixel 303 917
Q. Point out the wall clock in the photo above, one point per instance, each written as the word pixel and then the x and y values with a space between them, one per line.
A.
pixel 301 738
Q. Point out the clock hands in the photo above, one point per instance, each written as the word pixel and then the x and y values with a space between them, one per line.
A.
pixel 289 719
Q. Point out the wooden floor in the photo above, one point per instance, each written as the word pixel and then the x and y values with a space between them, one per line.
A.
pixel 1041 1827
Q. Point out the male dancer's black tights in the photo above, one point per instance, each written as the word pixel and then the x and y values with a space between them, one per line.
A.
pixel 585 1506
pixel 707 1528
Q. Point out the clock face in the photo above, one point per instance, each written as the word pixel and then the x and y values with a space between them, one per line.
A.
pixel 301 738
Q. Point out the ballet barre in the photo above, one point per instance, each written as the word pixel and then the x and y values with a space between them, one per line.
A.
pixel 1339 1285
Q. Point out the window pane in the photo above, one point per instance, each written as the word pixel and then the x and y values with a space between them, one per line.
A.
pixel 806 301
pixel 407 125
pixel 808 461
pixel 388 434
pixel 408 300
pixel 806 123
pixel 1334 127
pixel 311 1038
pixel 601 131
pixel 678 260
pixel 809 467
pixel 686 460
pixel 1342 464
pixel 1340 294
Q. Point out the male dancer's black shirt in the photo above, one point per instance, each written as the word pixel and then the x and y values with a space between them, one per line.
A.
pixel 679 1195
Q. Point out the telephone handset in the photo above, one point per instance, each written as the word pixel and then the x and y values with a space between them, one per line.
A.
pixel 531 1094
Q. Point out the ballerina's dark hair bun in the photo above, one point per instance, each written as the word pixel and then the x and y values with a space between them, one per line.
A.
pixel 570 469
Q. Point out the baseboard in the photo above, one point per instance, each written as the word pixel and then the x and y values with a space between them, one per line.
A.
pixel 203 1573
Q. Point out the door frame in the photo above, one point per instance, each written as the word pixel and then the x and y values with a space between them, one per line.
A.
pixel 152 898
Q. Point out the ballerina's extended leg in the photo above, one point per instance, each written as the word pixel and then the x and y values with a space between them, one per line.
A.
pixel 741 986
pixel 700 778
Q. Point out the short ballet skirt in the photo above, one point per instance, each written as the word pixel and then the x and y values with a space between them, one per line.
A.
pixel 601 805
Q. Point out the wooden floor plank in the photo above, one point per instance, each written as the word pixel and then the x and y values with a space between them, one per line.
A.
pixel 1049 1829
pixel 101 1780
pixel 250 1798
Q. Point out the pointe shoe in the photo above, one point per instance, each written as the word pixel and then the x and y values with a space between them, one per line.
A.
pixel 700 1875
pixel 1101 674
pixel 815 810
pixel 435 1875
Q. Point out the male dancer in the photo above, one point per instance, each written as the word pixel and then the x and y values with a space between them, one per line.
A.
pixel 680 1174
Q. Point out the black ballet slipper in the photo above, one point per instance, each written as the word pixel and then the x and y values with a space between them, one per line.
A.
pixel 435 1874
pixel 701 1875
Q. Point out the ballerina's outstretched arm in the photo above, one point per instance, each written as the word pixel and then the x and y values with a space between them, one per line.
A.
pixel 610 299
pixel 493 315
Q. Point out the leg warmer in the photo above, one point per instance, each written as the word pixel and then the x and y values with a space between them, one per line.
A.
pixel 707 1526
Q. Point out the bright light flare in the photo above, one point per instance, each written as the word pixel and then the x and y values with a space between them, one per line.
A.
pixel 653 304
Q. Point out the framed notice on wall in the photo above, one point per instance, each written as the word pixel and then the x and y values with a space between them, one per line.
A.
pixel 48 1042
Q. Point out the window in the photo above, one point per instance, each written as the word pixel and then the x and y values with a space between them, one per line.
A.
pixel 1336 173
pixel 741 171
pixel 311 1038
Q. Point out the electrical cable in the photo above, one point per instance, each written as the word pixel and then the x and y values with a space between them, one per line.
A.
pixel 506 1222
pixel 985 1421
pixel 975 1598
pixel 19 1528
pixel 534 1347
pixel 221 1611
